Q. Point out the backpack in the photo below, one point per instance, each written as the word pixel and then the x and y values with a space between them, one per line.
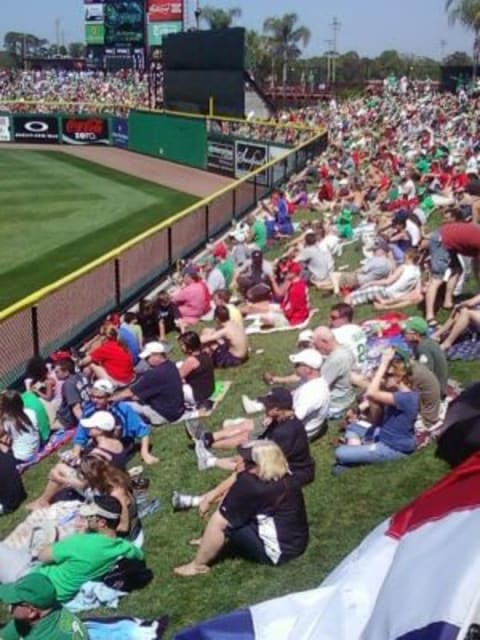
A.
pixel 128 575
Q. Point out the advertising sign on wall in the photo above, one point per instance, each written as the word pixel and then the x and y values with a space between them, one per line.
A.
pixel 221 157
pixel 85 131
pixel 35 128
pixel 94 12
pixel 158 30
pixel 120 132
pixel 124 22
pixel 5 129
pixel 165 10
pixel 248 157
pixel 95 33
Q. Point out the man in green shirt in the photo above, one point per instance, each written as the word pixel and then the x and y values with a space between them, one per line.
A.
pixel 426 350
pixel 36 614
pixel 224 262
pixel 258 231
pixel 87 556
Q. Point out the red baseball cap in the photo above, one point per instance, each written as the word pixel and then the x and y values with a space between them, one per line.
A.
pixel 295 268
pixel 219 251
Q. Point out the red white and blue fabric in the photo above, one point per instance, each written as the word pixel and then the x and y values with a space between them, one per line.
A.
pixel 415 577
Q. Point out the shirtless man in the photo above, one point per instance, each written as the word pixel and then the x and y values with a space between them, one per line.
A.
pixel 229 341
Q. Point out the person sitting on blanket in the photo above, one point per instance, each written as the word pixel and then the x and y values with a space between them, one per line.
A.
pixel 192 300
pixel 158 393
pixel 336 369
pixel 60 519
pixel 36 612
pixel 12 491
pixel 80 557
pixel 465 315
pixel 426 350
pixel 74 392
pixel 132 427
pixel 394 437
pixel 377 267
pixel 197 372
pixel 228 342
pixel 348 334
pixel 111 358
pixel 394 291
pixel 262 492
pixel 294 307
pixel 20 424
pixel 279 424
pixel 103 444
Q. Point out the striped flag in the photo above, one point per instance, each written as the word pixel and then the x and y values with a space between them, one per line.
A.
pixel 415 577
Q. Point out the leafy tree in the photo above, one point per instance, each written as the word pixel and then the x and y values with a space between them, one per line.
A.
pixel 76 49
pixel 219 18
pixel 467 13
pixel 257 47
pixel 285 40
pixel 458 59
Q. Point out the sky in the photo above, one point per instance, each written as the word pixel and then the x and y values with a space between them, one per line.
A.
pixel 368 26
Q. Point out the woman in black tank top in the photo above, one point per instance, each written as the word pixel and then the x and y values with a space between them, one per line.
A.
pixel 197 369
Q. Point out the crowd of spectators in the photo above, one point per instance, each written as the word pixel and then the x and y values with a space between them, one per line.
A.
pixel 400 180
pixel 72 91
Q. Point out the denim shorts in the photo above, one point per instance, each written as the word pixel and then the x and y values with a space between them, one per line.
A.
pixel 440 257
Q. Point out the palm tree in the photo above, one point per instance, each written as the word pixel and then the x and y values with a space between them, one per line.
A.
pixel 467 13
pixel 285 37
pixel 219 18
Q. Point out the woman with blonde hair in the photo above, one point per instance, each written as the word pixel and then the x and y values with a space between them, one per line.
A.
pixel 261 518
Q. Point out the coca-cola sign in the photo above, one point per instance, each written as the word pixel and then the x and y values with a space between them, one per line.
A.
pixel 85 131
pixel 165 10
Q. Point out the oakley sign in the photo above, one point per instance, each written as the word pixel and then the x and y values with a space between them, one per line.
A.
pixel 36 126
pixel 42 129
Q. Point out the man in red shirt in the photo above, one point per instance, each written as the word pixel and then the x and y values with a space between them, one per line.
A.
pixel 294 308
pixel 445 244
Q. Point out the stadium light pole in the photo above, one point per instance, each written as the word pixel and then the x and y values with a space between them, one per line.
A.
pixel 197 14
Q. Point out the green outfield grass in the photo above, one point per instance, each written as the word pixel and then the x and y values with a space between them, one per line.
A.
pixel 341 510
pixel 58 212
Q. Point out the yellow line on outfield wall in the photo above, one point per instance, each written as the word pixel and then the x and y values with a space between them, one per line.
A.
pixel 39 294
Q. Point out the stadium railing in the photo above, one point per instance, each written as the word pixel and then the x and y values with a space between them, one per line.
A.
pixel 59 313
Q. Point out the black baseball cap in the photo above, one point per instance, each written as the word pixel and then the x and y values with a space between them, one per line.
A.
pixel 278 398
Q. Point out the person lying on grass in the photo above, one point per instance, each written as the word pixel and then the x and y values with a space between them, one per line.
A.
pixel 80 557
pixel 263 497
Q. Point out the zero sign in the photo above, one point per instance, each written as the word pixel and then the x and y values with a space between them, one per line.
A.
pixel 36 127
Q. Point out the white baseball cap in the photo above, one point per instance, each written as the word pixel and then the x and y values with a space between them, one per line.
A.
pixel 151 348
pixel 305 336
pixel 102 420
pixel 309 357
pixel 104 386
